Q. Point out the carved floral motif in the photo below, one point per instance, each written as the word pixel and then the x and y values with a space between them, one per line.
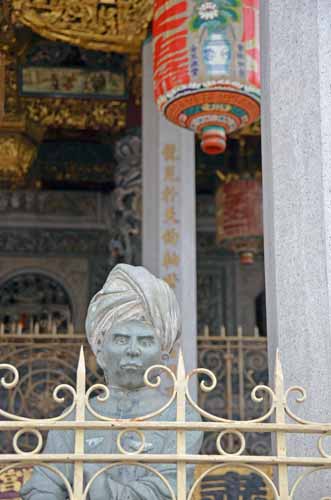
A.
pixel 77 113
pixel 100 25
pixel 17 154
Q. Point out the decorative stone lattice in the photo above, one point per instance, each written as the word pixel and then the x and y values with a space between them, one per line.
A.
pixel 30 297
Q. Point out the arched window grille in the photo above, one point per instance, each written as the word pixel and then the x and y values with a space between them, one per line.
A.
pixel 28 299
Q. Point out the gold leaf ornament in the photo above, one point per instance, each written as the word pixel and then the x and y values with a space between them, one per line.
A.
pixel 108 25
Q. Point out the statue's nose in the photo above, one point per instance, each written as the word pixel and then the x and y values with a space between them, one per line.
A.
pixel 133 348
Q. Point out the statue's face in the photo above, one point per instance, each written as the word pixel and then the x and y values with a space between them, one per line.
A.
pixel 129 349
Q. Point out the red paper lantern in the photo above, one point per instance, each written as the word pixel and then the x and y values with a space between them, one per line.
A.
pixel 239 218
pixel 206 66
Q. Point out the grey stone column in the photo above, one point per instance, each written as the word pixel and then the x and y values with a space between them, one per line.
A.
pixel 169 208
pixel 296 130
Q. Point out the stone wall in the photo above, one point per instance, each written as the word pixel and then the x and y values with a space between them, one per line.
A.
pixel 76 237
pixel 60 234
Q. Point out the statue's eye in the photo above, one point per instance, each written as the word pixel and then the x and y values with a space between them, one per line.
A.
pixel 119 339
pixel 146 342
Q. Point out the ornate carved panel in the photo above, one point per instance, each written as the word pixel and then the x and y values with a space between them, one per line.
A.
pixel 31 241
pixel 30 297
pixel 98 25
pixel 51 207
pixel 71 273
pixel 78 114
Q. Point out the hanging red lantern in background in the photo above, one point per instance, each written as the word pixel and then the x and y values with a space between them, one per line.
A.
pixel 239 218
pixel 206 66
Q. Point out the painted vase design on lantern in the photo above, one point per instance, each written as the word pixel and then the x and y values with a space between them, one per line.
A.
pixel 217 53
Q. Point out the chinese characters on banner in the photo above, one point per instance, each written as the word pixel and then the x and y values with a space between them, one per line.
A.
pixel 170 215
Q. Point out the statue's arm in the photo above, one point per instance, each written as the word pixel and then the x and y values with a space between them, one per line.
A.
pixel 150 486
pixel 44 483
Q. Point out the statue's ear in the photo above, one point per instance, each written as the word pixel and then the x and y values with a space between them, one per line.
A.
pixel 164 356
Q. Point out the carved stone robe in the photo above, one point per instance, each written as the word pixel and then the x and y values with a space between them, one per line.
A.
pixel 123 482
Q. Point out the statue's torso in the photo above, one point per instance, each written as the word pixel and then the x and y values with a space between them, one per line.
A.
pixel 127 405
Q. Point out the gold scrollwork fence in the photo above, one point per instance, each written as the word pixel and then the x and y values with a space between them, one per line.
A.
pixel 278 410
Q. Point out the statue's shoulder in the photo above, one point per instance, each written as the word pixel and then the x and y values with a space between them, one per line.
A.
pixel 170 413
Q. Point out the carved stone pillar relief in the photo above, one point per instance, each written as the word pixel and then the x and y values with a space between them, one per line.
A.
pixel 125 211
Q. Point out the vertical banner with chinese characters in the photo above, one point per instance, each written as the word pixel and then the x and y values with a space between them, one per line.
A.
pixel 170 214
pixel 169 220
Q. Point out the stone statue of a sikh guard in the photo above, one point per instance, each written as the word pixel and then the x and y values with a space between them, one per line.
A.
pixel 132 323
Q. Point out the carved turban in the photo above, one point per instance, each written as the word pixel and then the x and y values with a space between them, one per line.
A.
pixel 133 293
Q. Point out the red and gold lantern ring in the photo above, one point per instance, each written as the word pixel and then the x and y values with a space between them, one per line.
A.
pixel 207 66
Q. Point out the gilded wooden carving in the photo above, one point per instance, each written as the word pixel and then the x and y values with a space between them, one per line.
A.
pixel 109 25
pixel 17 154
pixel 76 113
